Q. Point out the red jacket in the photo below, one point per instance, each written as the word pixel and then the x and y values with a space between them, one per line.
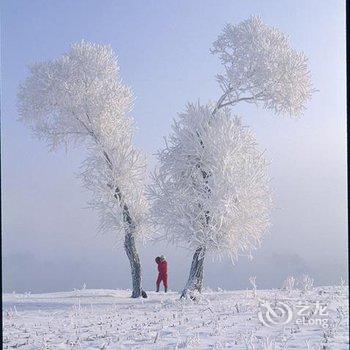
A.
pixel 163 268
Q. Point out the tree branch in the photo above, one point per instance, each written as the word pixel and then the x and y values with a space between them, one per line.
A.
pixel 117 193
pixel 220 104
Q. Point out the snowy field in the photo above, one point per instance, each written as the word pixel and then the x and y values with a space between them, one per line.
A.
pixel 109 319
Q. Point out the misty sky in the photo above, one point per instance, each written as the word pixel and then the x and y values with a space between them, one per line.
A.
pixel 50 240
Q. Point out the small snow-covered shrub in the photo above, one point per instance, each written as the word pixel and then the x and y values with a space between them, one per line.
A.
pixel 252 281
pixel 306 283
pixel 289 284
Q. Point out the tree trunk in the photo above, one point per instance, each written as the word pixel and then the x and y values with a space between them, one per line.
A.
pixel 129 241
pixel 195 279
pixel 131 252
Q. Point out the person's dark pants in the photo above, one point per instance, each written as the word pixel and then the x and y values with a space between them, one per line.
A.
pixel 164 279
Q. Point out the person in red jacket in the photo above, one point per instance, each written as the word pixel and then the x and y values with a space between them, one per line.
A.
pixel 162 272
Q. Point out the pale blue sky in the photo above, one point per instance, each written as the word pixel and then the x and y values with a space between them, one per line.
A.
pixel 50 241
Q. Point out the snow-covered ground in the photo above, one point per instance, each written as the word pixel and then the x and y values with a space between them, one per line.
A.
pixel 109 319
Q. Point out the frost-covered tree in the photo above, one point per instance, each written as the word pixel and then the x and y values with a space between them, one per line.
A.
pixel 211 191
pixel 80 98
pixel 261 66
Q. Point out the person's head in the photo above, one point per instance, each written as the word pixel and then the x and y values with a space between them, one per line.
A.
pixel 162 257
pixel 158 259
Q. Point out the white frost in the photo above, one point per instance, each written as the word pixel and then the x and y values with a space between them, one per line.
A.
pixel 80 98
pixel 211 188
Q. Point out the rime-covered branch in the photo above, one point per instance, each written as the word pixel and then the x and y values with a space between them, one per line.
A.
pixel 79 97
pixel 260 65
